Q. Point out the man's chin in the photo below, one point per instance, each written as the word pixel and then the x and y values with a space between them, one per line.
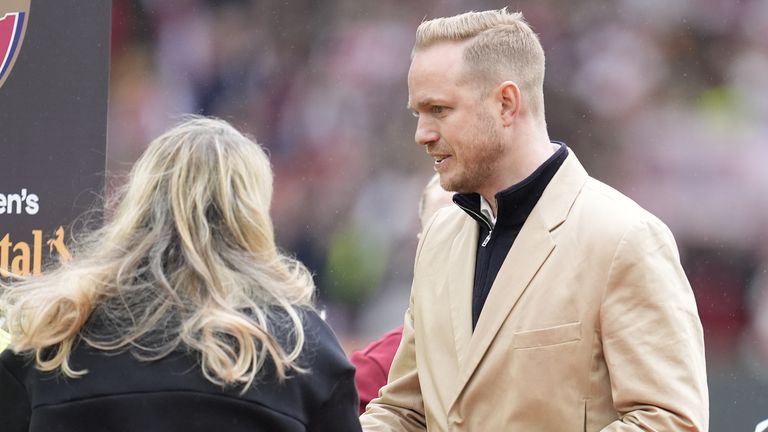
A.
pixel 453 185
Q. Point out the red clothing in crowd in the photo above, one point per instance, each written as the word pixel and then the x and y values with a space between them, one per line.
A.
pixel 373 363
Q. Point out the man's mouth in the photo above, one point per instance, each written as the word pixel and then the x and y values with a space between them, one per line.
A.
pixel 440 158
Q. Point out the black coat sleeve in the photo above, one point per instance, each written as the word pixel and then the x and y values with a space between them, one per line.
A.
pixel 14 402
pixel 331 380
pixel 339 412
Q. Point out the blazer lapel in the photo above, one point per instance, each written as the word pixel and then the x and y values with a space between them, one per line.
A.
pixel 528 254
pixel 530 250
pixel 461 271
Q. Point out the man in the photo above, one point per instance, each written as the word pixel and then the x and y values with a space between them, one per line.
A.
pixel 544 301
pixel 372 363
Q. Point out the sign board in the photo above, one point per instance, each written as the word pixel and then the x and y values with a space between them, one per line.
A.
pixel 54 73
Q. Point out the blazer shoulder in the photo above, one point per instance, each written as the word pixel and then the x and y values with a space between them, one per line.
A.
pixel 610 208
pixel 446 223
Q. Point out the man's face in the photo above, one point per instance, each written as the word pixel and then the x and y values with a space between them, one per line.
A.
pixel 456 120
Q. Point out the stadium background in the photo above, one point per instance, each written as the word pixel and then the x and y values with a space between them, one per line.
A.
pixel 663 99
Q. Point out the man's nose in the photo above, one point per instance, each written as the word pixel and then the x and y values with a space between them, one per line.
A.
pixel 425 133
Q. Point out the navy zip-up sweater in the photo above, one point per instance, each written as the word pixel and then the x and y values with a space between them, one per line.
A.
pixel 513 205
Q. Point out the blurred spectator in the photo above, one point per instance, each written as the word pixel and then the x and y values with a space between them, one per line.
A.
pixel 373 361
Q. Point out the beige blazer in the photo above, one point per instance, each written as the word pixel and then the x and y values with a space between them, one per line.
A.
pixel 590 325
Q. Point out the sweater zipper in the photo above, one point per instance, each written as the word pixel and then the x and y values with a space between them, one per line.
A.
pixel 478 217
pixel 487 239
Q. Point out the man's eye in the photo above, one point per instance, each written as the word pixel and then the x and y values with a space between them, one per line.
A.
pixel 415 114
pixel 437 109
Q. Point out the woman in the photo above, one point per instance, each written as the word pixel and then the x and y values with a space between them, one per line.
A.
pixel 178 314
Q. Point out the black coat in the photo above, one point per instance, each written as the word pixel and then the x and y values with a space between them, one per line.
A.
pixel 121 393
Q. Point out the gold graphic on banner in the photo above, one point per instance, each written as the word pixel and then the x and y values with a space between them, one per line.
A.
pixel 58 244
pixel 24 258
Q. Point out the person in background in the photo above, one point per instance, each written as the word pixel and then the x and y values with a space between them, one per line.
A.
pixel 544 300
pixel 179 313
pixel 372 363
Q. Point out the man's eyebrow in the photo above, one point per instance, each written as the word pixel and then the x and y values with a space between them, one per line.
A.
pixel 422 103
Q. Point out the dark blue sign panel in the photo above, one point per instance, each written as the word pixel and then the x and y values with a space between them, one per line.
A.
pixel 54 68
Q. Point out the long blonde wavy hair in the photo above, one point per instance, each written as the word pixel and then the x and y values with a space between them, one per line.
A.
pixel 186 261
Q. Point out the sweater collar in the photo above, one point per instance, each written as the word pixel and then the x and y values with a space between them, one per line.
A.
pixel 516 202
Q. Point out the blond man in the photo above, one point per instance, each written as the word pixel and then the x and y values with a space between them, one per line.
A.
pixel 545 300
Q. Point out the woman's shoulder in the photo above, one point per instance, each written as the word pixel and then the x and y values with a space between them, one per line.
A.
pixel 17 364
pixel 11 361
pixel 320 350
pixel 321 345
pixel 322 365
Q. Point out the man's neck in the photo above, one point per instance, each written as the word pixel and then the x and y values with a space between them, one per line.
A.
pixel 525 164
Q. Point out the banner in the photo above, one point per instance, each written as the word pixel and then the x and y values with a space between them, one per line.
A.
pixel 54 73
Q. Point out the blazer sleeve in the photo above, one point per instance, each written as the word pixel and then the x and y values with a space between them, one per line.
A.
pixel 399 406
pixel 652 336
pixel 14 403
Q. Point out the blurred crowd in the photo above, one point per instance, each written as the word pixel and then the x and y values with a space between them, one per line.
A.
pixel 663 99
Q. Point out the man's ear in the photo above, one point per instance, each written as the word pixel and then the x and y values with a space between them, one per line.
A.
pixel 509 96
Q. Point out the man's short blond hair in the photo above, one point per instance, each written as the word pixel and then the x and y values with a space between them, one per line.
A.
pixel 502 46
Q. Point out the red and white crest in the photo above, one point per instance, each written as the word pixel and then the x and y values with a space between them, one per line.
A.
pixel 14 16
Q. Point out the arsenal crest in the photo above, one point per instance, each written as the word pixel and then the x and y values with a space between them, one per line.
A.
pixel 14 15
